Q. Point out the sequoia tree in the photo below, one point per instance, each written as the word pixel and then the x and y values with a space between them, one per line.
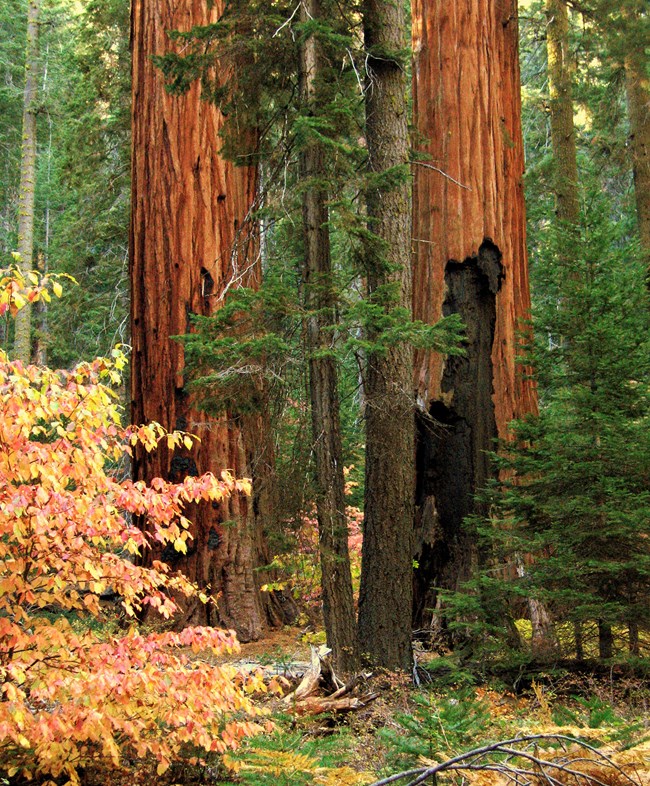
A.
pixel 470 258
pixel 190 237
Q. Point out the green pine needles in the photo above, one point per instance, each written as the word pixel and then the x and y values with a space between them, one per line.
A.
pixel 569 522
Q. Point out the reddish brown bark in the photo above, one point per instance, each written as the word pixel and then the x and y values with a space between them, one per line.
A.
pixel 189 238
pixel 469 257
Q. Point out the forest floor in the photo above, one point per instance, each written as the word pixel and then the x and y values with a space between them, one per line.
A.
pixel 405 726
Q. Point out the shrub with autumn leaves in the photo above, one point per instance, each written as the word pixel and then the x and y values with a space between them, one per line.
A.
pixel 299 569
pixel 71 696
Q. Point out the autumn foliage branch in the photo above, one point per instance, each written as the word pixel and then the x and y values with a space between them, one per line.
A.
pixel 70 696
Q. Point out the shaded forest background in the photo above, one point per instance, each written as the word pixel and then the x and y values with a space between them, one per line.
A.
pixel 575 535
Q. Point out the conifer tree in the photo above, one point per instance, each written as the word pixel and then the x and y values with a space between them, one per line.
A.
pixel 563 135
pixel 12 71
pixel 577 497
pixel 385 597
pixel 320 300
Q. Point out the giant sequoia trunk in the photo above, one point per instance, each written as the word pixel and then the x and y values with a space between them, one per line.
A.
pixel 23 335
pixel 338 600
pixel 189 237
pixel 386 590
pixel 469 258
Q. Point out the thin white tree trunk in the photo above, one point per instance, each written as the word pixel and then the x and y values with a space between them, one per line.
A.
pixel 22 339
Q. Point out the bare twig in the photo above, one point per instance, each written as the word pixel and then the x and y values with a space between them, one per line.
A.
pixel 356 72
pixel 548 771
pixel 443 173
pixel 289 20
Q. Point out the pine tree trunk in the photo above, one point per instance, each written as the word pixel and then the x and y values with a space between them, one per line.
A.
pixel 385 600
pixel 605 640
pixel 637 85
pixel 634 647
pixel 319 296
pixel 23 334
pixel 189 238
pixel 469 245
pixel 579 640
pixel 563 137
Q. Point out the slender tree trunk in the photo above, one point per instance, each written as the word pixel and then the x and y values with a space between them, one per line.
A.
pixel 23 335
pixel 544 643
pixel 633 638
pixel 338 601
pixel 469 245
pixel 563 137
pixel 579 640
pixel 386 585
pixel 605 640
pixel 189 238
pixel 42 309
pixel 637 85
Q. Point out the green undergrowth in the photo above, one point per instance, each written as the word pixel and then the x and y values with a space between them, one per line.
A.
pixel 407 726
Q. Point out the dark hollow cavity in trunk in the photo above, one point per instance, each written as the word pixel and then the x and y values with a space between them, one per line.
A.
pixel 456 434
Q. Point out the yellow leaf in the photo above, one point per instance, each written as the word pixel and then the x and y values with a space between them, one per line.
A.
pixel 187 441
pixel 232 764
pixel 180 545
pixel 57 288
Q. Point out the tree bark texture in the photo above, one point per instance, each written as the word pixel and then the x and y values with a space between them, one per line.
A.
pixel 470 258
pixel 605 640
pixel 637 85
pixel 563 135
pixel 384 629
pixel 23 330
pixel 319 297
pixel 189 238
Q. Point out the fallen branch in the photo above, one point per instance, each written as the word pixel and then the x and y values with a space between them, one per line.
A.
pixel 321 677
pixel 519 762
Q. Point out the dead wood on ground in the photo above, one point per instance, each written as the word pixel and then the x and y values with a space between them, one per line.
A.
pixel 321 690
